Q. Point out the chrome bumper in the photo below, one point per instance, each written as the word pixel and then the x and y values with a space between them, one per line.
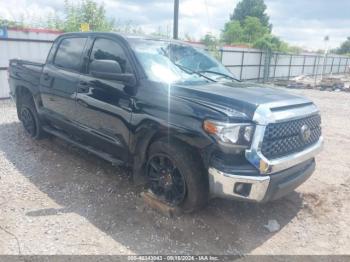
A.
pixel 258 188
pixel 223 185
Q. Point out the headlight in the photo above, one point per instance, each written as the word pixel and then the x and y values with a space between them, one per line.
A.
pixel 239 134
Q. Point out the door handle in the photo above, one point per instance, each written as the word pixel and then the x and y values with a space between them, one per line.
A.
pixel 46 76
pixel 83 83
pixel 83 87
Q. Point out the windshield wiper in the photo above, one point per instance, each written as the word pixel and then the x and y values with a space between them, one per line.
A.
pixel 190 71
pixel 221 74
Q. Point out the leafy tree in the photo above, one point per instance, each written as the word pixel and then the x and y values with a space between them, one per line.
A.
pixel 253 8
pixel 9 23
pixel 212 44
pixel 253 29
pixel 232 33
pixel 209 40
pixel 248 32
pixel 86 11
pixel 268 42
pixel 249 24
pixel 344 47
pixel 53 21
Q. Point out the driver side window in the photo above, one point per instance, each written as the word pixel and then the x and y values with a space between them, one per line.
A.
pixel 106 49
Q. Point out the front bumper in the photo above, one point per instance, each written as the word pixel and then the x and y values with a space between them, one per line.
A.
pixel 261 188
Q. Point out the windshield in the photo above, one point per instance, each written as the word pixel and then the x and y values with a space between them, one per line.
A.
pixel 154 58
pixel 175 63
pixel 196 59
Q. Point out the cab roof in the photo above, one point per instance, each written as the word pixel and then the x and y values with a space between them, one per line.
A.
pixel 128 37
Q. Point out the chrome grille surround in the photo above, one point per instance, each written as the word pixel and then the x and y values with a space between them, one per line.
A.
pixel 279 112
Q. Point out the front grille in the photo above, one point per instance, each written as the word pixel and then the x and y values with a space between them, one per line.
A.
pixel 285 138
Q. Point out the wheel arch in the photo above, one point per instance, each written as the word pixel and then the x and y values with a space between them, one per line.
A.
pixel 142 147
pixel 21 92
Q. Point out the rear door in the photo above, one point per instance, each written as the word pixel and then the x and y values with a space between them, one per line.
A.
pixel 104 106
pixel 59 79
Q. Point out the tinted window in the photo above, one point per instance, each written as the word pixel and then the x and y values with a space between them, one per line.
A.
pixel 105 49
pixel 69 52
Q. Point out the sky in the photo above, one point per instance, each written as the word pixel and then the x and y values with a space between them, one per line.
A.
pixel 299 22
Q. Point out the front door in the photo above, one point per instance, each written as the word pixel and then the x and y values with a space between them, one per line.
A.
pixel 103 106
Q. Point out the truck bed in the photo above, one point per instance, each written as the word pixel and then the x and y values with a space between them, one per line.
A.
pixel 24 73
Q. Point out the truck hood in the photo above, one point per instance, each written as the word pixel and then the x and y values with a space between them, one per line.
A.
pixel 237 100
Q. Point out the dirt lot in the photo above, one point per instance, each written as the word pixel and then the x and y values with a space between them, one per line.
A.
pixel 56 199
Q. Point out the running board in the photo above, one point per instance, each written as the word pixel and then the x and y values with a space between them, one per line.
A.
pixel 90 149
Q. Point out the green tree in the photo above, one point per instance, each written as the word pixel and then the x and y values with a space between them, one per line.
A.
pixel 53 21
pixel 269 42
pixel 253 8
pixel 248 23
pixel 344 47
pixel 232 33
pixel 209 40
pixel 248 32
pixel 212 44
pixel 86 11
pixel 253 29
pixel 9 23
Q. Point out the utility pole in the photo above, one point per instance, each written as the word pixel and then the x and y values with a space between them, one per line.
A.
pixel 176 20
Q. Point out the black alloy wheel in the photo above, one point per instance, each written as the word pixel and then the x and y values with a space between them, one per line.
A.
pixel 165 179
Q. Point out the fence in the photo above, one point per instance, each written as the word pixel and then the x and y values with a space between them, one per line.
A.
pixel 256 65
pixel 245 64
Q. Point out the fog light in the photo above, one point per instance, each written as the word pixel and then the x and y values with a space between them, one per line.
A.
pixel 242 189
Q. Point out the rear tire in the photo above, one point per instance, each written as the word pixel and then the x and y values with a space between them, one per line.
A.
pixel 186 166
pixel 29 118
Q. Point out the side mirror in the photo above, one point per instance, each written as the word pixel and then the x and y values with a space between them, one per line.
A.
pixel 111 70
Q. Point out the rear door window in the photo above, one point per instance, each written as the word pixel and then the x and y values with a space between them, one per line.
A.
pixel 69 53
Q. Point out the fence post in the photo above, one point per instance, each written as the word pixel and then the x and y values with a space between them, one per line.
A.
pixel 314 69
pixel 302 71
pixel 261 54
pixel 332 65
pixel 221 54
pixel 267 63
pixel 346 65
pixel 325 59
pixel 242 64
pixel 274 70
pixel 339 64
pixel 290 65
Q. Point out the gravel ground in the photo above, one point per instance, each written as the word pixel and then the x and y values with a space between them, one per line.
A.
pixel 56 199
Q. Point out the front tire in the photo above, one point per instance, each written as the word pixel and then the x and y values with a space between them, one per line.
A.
pixel 176 176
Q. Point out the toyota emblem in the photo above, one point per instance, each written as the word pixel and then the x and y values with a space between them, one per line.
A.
pixel 305 132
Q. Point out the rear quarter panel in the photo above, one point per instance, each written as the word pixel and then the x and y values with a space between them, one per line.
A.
pixel 24 74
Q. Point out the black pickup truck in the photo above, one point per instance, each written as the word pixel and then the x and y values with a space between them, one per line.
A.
pixel 170 113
